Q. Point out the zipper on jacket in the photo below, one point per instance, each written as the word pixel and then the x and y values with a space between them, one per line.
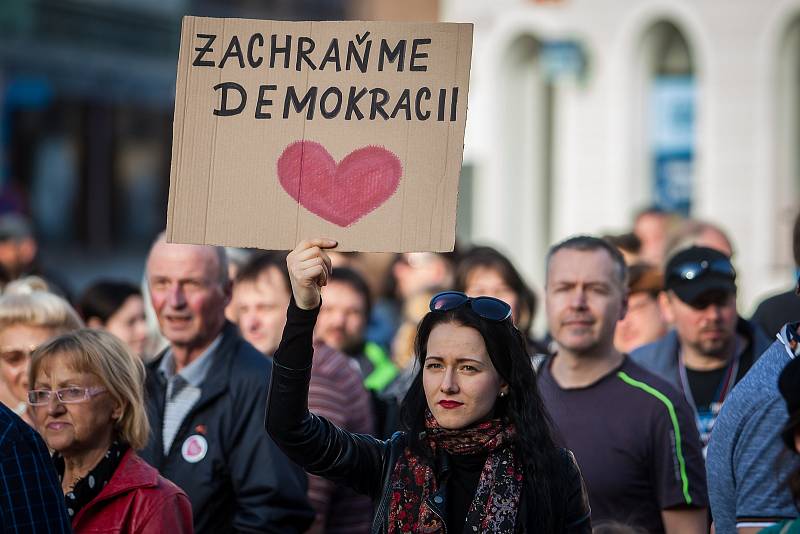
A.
pixel 434 508
pixel 383 504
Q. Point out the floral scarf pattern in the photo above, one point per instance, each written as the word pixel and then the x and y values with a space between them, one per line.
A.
pixel 494 507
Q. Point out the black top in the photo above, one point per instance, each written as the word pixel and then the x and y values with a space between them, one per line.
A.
pixel 365 463
pixel 707 385
pixel 635 441
pixel 709 388
pixel 461 486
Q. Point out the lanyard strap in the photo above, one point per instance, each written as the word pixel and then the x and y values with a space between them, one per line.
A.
pixel 725 385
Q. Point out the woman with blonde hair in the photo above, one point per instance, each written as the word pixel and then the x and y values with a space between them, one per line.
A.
pixel 26 321
pixel 87 401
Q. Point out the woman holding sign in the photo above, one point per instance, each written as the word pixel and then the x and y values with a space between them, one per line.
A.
pixel 477 453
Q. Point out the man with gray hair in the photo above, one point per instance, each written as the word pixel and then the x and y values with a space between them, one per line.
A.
pixel 631 432
pixel 205 398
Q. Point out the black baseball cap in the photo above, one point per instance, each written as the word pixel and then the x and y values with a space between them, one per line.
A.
pixel 14 226
pixel 695 271
pixel 789 386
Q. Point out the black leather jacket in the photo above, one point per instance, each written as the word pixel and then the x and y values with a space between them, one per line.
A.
pixel 360 461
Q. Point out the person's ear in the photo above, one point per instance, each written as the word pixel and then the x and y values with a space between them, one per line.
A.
pixel 665 305
pixel 117 412
pixel 227 291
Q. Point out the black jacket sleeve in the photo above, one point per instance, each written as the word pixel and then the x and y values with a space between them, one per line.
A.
pixel 317 445
pixel 577 513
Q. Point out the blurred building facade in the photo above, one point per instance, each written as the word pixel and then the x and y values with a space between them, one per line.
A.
pixel 582 112
pixel 86 101
pixel 87 91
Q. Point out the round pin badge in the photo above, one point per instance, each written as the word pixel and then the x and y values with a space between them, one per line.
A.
pixel 194 448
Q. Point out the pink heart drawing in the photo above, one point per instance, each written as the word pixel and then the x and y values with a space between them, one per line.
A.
pixel 193 449
pixel 340 193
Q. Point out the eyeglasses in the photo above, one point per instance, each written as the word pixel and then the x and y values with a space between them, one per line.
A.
pixel 487 307
pixel 73 395
pixel 16 357
pixel 695 269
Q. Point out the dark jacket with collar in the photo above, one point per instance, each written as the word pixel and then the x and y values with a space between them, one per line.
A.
pixel 243 483
pixel 661 356
pixel 363 462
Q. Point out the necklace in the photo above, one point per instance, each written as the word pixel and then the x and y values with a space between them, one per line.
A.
pixel 75 482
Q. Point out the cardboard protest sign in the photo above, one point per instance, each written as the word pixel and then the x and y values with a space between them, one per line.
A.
pixel 290 130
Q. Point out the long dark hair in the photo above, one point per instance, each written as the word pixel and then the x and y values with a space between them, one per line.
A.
pixel 523 407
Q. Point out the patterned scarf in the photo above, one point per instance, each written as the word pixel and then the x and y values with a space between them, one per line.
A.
pixel 494 507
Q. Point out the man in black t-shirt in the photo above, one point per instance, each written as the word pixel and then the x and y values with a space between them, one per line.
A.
pixel 630 431
pixel 710 348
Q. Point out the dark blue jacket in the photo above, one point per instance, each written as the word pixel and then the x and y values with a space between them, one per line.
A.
pixel 31 498
pixel 244 483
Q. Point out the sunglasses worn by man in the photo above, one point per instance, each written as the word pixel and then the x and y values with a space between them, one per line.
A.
pixel 693 270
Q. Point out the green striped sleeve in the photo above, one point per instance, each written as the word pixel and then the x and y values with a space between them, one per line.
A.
pixel 676 428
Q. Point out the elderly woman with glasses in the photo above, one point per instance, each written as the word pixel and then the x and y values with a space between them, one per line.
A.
pixel 27 320
pixel 476 453
pixel 87 403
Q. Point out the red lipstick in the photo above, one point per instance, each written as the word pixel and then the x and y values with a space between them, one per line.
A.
pixel 450 404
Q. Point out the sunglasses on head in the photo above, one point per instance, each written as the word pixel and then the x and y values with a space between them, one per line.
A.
pixel 693 270
pixel 488 308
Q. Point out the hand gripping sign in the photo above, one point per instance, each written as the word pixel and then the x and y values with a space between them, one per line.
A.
pixel 349 130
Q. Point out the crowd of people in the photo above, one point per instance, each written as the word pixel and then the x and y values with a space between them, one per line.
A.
pixel 318 391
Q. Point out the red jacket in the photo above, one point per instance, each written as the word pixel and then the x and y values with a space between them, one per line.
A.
pixel 137 500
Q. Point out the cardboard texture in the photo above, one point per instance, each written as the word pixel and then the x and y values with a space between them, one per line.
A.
pixel 291 130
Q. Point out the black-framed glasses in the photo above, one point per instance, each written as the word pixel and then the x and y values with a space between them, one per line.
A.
pixel 72 395
pixel 693 270
pixel 487 307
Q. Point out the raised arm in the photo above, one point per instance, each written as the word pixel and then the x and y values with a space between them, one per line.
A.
pixel 312 442
pixel 309 269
